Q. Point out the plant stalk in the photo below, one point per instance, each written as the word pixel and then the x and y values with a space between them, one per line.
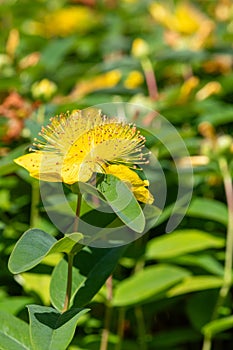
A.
pixel 120 328
pixel 141 328
pixel 35 198
pixel 108 314
pixel 69 282
pixel 78 208
pixel 227 278
pixel 150 78
pixel 71 258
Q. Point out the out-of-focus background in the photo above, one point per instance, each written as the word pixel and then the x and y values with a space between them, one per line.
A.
pixel 172 56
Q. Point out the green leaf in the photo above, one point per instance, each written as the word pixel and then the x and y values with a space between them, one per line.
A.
pixel 200 306
pixel 8 83
pixel 171 338
pixel 209 209
pixel 86 188
pixel 30 249
pixel 14 304
pixel 36 284
pixel 14 333
pixel 67 244
pixel 181 242
pixel 57 49
pixel 51 330
pixel 223 114
pixel 195 283
pixel 218 326
pixel 205 261
pixel 58 284
pixel 123 202
pixel 35 245
pixel 147 283
pixel 90 271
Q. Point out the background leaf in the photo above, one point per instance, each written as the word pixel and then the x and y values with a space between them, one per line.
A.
pixel 147 283
pixel 181 242
pixel 195 283
pixel 208 209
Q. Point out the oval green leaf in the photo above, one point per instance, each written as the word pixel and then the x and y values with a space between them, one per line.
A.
pixel 209 209
pixel 147 283
pixel 30 249
pixel 123 203
pixel 90 271
pixel 68 244
pixel 35 245
pixel 181 242
pixel 195 283
pixel 14 333
pixel 50 329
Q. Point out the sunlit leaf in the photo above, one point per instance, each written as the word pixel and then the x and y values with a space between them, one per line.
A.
pixel 181 242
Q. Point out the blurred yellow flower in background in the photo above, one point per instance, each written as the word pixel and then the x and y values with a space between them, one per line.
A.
pixel 43 90
pixel 130 2
pixel 211 88
pixel 187 87
pixel 65 21
pixel 219 64
pixel 140 48
pixel 12 42
pixel 134 79
pixel 224 10
pixel 103 81
pixel 187 26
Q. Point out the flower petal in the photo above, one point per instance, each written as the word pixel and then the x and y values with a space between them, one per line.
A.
pixel 46 167
pixel 132 179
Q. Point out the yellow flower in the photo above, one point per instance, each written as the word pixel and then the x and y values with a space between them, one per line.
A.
pixel 73 147
pixel 65 21
pixel 103 81
pixel 140 48
pixel 44 89
pixel 186 88
pixel 133 80
pixel 211 88
pixel 192 28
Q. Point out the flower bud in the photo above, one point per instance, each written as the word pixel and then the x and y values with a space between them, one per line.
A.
pixel 43 90
pixel 140 48
pixel 224 144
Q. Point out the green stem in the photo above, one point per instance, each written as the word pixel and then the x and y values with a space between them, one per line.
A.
pixel 120 328
pixel 69 282
pixel 227 278
pixel 35 198
pixel 108 314
pixel 150 78
pixel 41 114
pixel 141 328
pixel 78 208
pixel 206 343
pixel 71 258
